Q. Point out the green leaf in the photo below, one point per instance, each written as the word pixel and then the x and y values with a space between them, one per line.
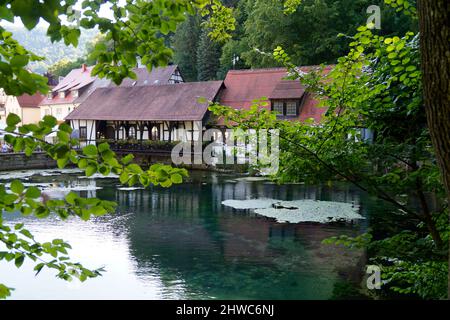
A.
pixel 19 61
pixel 4 291
pixel 127 159
pixel 202 100
pixel 50 121
pixel 42 212
pixel 62 163
pixel 123 177
pixel 65 127
pixel 176 178
pixel 135 168
pixel 71 197
pixel 90 170
pixel 85 214
pixel 90 150
pixel 82 164
pixel 33 193
pixel 19 260
pixel 26 233
pixel 6 14
pixel 71 37
pixel 28 151
pixel 17 187
pixel 12 119
pixel 104 170
pixel 165 184
pixel 18 226
pixel 63 136
pixel 98 211
pixel 102 147
pixel 38 268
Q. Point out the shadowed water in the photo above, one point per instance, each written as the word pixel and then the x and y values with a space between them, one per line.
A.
pixel 182 243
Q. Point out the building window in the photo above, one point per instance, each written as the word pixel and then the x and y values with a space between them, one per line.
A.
pixel 47 112
pixel 50 95
pixel 291 108
pixel 285 108
pixel 155 133
pixel 75 93
pixel 83 133
pixel 132 133
pixel 62 94
pixel 176 78
pixel 278 106
pixel 58 111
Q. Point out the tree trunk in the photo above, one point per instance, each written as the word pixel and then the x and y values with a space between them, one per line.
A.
pixel 434 20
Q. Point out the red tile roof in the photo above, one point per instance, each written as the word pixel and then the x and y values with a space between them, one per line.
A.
pixel 287 89
pixel 81 79
pixel 170 102
pixel 27 101
pixel 75 80
pixel 310 110
pixel 244 86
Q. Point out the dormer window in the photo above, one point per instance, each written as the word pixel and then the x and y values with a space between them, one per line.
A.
pixel 50 95
pixel 278 106
pixel 62 94
pixel 75 93
pixel 287 108
pixel 291 108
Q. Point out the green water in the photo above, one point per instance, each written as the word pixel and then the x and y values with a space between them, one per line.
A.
pixel 182 243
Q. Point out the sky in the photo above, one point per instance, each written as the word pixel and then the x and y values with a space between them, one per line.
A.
pixel 105 11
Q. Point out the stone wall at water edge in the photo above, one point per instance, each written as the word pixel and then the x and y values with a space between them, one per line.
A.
pixel 19 161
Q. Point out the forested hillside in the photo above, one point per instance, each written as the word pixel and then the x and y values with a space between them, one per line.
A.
pixel 39 43
pixel 309 35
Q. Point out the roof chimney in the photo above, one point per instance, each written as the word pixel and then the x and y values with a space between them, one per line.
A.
pixel 83 67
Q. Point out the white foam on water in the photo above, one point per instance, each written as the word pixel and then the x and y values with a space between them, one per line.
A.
pixel 300 210
pixel 130 188
pixel 75 188
pixel 252 179
pixel 250 203
pixel 26 174
pixel 100 176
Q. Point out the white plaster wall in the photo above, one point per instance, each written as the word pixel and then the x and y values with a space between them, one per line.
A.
pixel 59 111
pixel 90 129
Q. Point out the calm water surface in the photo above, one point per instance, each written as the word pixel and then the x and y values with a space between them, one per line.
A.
pixel 182 243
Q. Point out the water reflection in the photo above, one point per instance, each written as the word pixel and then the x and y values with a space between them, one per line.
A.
pixel 182 243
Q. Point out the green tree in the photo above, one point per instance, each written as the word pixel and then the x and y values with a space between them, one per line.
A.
pixel 37 40
pixel 234 48
pixel 435 34
pixel 310 31
pixel 208 55
pixel 185 43
pixel 64 66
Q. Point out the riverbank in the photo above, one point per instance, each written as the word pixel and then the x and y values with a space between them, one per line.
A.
pixel 19 161
pixel 40 160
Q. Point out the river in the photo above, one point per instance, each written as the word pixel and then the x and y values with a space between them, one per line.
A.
pixel 182 243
